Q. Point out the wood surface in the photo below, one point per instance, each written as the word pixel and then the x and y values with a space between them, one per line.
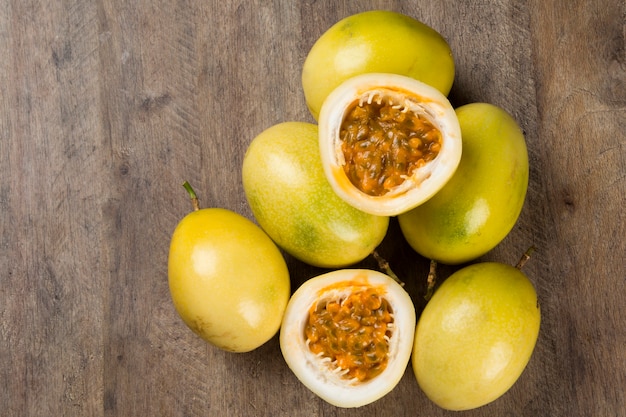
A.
pixel 107 106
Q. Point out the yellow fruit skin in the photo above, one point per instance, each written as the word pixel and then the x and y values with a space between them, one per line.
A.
pixel 476 336
pixel 293 202
pixel 481 203
pixel 375 41
pixel 228 280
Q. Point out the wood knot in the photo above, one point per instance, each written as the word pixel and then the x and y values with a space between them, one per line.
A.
pixel 153 103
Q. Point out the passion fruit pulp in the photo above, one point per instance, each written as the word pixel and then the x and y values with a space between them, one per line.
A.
pixel 347 335
pixel 388 142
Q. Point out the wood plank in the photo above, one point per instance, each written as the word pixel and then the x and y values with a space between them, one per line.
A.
pixel 52 297
pixel 581 84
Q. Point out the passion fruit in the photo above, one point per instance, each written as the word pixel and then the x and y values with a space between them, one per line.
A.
pixel 228 280
pixel 479 206
pixel 375 41
pixel 347 335
pixel 388 142
pixel 284 183
pixel 476 335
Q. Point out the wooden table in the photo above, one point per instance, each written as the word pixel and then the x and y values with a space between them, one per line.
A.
pixel 107 106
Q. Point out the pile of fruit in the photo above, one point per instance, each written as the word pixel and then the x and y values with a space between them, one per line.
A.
pixel 387 143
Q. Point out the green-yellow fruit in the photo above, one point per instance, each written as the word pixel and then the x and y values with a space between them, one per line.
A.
pixel 292 201
pixel 228 280
pixel 476 336
pixel 376 41
pixel 479 206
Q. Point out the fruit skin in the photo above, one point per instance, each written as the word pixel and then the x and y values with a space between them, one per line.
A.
pixel 476 335
pixel 375 41
pixel 291 199
pixel 481 203
pixel 312 372
pixel 228 280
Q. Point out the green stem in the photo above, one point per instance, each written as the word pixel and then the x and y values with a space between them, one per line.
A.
pixel 192 194
pixel 384 265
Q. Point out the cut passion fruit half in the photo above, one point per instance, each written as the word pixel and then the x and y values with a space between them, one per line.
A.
pixel 388 142
pixel 347 335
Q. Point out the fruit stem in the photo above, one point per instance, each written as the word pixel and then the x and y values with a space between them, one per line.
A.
pixel 525 257
pixel 192 194
pixel 384 265
pixel 432 278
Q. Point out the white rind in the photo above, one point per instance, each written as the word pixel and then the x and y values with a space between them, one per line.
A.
pixel 426 181
pixel 313 373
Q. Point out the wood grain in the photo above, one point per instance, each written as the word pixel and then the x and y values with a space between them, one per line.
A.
pixel 106 107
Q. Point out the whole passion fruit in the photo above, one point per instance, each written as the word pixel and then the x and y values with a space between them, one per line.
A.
pixel 284 183
pixel 347 335
pixel 480 205
pixel 228 280
pixel 375 41
pixel 476 335
pixel 388 142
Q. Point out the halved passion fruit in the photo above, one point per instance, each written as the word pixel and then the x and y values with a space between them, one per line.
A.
pixel 347 335
pixel 388 142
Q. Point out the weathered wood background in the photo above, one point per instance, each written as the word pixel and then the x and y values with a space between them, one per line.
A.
pixel 107 106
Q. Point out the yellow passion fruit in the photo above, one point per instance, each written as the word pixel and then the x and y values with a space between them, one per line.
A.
pixel 347 335
pixel 481 203
pixel 228 280
pixel 476 335
pixel 375 41
pixel 284 183
pixel 388 142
